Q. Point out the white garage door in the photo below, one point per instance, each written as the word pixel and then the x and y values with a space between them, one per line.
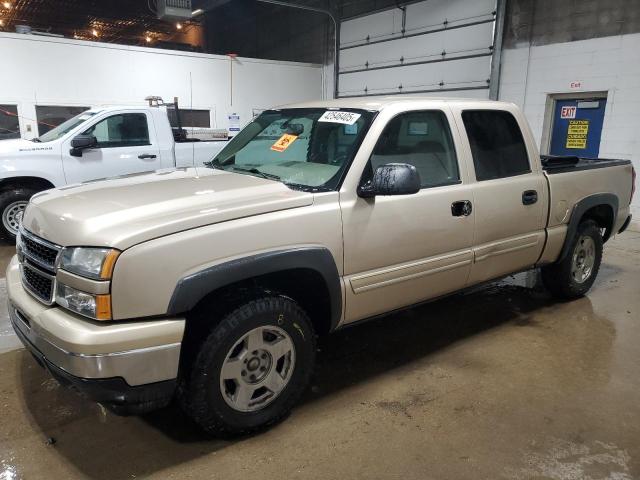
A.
pixel 435 46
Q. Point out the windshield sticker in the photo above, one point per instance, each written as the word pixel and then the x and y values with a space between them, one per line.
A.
pixel 284 142
pixel 346 118
pixel 351 129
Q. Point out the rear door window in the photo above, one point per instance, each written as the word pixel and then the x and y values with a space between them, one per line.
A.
pixel 497 145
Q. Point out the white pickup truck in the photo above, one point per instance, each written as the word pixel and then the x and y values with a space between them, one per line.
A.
pixel 99 143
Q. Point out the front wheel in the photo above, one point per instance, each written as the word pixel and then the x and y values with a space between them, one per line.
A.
pixel 573 276
pixel 12 205
pixel 252 368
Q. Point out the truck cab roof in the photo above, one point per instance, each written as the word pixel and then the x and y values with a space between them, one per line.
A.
pixel 379 103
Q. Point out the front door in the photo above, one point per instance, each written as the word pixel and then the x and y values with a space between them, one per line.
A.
pixel 400 250
pixel 577 127
pixel 125 144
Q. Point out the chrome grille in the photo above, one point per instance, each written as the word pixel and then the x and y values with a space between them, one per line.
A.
pixel 38 266
pixel 38 283
pixel 39 251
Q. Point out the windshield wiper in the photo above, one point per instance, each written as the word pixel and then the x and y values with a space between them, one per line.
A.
pixel 36 140
pixel 307 188
pixel 254 170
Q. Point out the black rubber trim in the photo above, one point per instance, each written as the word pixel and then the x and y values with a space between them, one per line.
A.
pixel 113 391
pixel 190 290
pixel 579 210
pixel 625 225
pixel 583 164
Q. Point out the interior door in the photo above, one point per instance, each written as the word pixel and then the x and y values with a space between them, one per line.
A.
pixel 400 250
pixel 577 127
pixel 125 144
pixel 510 196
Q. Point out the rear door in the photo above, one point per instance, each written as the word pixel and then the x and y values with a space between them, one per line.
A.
pixel 126 143
pixel 510 194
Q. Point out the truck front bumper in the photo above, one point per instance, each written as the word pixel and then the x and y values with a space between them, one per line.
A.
pixel 131 365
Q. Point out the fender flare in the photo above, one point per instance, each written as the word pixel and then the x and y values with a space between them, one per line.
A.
pixel 580 208
pixel 6 182
pixel 194 287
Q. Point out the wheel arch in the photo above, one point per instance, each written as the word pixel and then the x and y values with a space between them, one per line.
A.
pixel 33 182
pixel 307 274
pixel 601 207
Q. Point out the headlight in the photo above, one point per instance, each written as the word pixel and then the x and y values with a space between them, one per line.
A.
pixel 93 306
pixel 94 263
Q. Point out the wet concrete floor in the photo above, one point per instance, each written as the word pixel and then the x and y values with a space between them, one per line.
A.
pixel 498 383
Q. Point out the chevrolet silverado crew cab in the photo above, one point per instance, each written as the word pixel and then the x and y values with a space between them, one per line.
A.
pixel 210 284
pixel 98 143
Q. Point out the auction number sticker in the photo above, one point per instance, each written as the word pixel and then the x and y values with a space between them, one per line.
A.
pixel 336 116
pixel 284 142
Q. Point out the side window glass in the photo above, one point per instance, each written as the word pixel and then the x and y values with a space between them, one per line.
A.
pixel 422 139
pixel 497 145
pixel 121 130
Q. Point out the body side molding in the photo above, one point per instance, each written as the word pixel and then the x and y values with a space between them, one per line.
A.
pixel 193 288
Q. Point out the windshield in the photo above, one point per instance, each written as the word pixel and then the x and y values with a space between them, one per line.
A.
pixel 303 147
pixel 63 128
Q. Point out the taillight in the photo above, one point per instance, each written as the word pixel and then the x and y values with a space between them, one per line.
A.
pixel 633 184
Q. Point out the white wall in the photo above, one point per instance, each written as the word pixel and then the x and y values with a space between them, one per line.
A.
pixel 53 71
pixel 610 64
pixel 420 17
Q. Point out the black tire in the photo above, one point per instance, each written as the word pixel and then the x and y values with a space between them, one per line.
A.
pixel 8 200
pixel 558 277
pixel 201 395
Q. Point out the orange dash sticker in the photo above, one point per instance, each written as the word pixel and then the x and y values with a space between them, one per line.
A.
pixel 284 142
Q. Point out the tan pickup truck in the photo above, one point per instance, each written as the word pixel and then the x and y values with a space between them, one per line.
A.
pixel 210 284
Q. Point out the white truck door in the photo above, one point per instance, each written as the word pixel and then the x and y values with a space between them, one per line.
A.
pixel 125 143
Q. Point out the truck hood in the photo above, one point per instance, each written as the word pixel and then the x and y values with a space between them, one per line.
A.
pixel 124 211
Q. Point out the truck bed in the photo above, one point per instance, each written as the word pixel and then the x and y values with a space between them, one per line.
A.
pixel 586 177
pixel 562 164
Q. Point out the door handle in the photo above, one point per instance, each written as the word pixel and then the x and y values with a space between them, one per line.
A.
pixel 144 156
pixel 461 208
pixel 529 197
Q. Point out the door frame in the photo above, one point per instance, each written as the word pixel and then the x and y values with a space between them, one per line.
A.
pixel 550 108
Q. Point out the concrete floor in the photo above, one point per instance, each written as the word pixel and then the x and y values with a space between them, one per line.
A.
pixel 499 383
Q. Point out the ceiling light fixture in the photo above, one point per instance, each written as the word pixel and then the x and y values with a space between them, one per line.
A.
pixel 6 5
pixel 1 23
pixel 179 26
pixel 147 39
pixel 94 32
pixel 197 12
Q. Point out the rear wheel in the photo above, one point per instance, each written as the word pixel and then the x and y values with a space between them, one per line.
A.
pixel 252 368
pixel 574 275
pixel 12 205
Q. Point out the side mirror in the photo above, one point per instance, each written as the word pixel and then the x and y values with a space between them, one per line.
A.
pixel 81 142
pixel 392 179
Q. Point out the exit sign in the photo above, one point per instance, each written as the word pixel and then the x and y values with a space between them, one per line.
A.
pixel 568 112
pixel 576 85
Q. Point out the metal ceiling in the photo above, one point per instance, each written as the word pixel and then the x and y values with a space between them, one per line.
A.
pixel 134 22
pixel 114 21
